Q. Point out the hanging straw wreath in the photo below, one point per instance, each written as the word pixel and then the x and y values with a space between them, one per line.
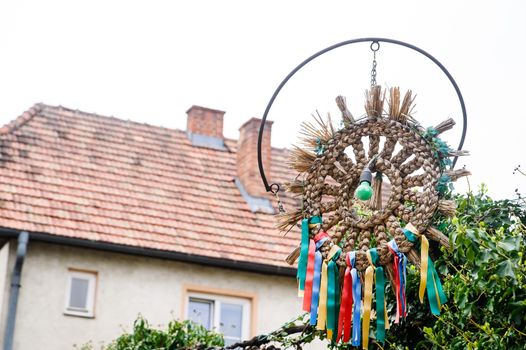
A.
pixel 364 237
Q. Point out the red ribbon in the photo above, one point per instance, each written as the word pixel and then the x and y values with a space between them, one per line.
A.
pixel 307 294
pixel 345 317
pixel 397 285
pixel 320 235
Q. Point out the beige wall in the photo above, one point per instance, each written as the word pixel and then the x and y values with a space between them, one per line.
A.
pixel 7 255
pixel 128 285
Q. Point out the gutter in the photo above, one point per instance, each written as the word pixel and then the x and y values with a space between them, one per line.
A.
pixel 23 238
pixel 154 253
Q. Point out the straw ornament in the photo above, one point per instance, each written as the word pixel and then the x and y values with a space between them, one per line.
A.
pixel 378 236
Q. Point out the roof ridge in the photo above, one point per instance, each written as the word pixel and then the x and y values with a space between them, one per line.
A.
pixel 22 119
pixel 15 124
pixel 110 117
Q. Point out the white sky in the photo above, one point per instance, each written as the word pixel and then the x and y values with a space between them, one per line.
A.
pixel 149 61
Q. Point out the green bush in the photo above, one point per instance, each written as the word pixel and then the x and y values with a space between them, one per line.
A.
pixel 178 335
pixel 485 277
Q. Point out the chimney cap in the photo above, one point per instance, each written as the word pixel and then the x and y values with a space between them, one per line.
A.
pixel 258 120
pixel 204 109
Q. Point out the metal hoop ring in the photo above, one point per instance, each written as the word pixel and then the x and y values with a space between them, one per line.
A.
pixel 348 42
pixel 273 188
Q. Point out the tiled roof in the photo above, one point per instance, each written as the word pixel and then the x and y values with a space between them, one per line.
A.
pixel 85 176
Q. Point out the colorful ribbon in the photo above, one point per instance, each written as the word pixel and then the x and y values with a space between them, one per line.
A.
pixel 367 301
pixel 322 305
pixel 333 292
pixel 307 295
pixel 304 252
pixel 357 298
pixel 400 266
pixel 429 279
pixel 382 321
pixel 344 319
pixel 320 238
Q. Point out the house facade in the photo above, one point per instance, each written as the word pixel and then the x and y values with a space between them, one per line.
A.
pixel 103 219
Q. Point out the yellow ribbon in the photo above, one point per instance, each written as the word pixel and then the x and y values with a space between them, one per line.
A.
pixel 322 308
pixel 367 300
pixel 386 318
pixel 424 256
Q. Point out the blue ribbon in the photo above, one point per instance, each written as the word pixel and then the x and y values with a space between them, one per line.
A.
pixel 357 301
pixel 402 265
pixel 304 250
pixel 316 282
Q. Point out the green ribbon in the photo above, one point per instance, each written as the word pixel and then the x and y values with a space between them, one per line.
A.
pixel 380 296
pixel 434 289
pixel 333 295
pixel 435 293
pixel 304 250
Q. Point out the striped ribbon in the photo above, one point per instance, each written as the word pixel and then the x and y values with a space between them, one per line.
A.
pixel 357 298
pixel 429 279
pixel 304 252
pixel 344 319
pixel 382 321
pixel 400 265
pixel 320 238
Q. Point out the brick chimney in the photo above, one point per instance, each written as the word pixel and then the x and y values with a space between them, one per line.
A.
pixel 204 127
pixel 247 156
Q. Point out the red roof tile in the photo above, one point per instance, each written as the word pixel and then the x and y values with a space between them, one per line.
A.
pixel 86 176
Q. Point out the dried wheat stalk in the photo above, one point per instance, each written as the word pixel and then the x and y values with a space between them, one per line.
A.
pixel 437 235
pixel 300 159
pixel 456 174
pixel 346 115
pixel 374 101
pixel 445 126
pixel 288 220
pixel 447 207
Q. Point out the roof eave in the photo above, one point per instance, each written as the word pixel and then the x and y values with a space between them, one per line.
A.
pixel 154 253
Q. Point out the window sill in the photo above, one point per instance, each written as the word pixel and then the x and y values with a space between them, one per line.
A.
pixel 78 314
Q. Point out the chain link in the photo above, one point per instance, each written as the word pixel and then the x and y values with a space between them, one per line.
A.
pixel 281 209
pixel 375 46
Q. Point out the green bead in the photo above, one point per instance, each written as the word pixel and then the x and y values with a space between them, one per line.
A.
pixel 364 192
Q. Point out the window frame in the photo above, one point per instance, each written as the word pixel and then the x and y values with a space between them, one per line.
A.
pixel 218 296
pixel 92 278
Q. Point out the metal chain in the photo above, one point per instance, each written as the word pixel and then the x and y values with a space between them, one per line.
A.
pixel 281 209
pixel 375 46
pixel 274 189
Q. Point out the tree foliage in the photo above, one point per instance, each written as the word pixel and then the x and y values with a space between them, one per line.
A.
pixel 484 277
pixel 178 335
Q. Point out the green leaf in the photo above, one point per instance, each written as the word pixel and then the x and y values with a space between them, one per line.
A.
pixel 505 268
pixel 509 244
pixel 470 254
pixel 487 255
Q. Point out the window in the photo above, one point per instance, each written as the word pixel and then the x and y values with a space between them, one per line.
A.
pixel 80 293
pixel 225 314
